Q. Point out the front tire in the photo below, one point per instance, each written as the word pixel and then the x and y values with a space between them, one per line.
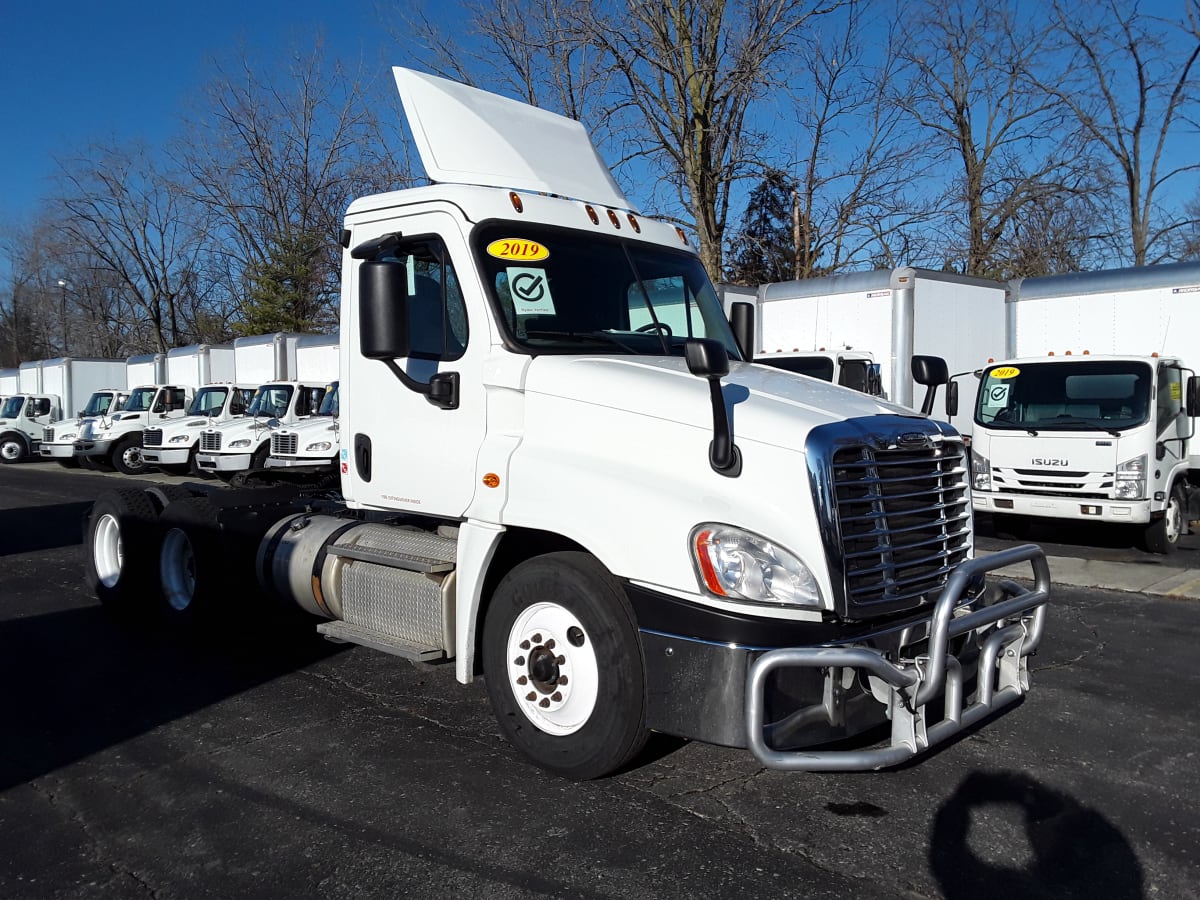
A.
pixel 127 456
pixel 1162 536
pixel 563 666
pixel 12 448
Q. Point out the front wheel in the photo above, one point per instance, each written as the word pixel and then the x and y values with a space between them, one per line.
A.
pixel 127 455
pixel 563 666
pixel 1162 535
pixel 12 448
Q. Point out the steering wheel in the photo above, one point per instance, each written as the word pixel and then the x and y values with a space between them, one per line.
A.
pixel 661 327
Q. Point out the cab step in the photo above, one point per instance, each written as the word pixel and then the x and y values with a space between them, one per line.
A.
pixel 345 633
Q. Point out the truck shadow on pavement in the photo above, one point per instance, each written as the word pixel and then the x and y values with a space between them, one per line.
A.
pixel 31 529
pixel 1072 851
pixel 82 682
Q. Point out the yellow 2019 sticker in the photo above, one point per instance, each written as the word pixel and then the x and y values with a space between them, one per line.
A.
pixel 1005 372
pixel 1176 390
pixel 518 249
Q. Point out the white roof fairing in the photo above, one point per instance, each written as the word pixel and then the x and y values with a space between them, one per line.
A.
pixel 469 136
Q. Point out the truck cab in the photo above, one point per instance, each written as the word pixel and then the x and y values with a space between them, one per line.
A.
pixel 114 440
pixel 175 445
pixel 243 444
pixel 23 419
pixel 855 369
pixel 314 442
pixel 1096 438
pixel 58 440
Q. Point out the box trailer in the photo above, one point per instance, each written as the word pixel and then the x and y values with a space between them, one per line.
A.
pixel 89 388
pixel 199 364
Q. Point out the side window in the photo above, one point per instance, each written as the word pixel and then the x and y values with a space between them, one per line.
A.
pixel 437 314
pixel 1170 396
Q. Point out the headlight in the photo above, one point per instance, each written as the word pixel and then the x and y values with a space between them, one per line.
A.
pixel 319 445
pixel 243 442
pixel 181 439
pixel 981 472
pixel 64 437
pixel 735 563
pixel 1131 479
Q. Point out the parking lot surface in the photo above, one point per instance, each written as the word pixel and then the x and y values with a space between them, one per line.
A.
pixel 261 761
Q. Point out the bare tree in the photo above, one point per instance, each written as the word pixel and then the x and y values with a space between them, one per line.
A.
pixel 1129 85
pixel 276 157
pixel 970 92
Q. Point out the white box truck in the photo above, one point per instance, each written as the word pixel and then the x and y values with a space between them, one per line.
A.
pixel 892 313
pixel 115 440
pixel 1092 416
pixel 173 445
pixel 89 388
pixel 25 413
pixel 10 382
pixel 623 530
pixel 243 444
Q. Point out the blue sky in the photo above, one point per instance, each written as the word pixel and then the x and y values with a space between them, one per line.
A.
pixel 72 72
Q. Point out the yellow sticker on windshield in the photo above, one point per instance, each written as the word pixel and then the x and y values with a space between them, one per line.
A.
pixel 518 249
pixel 1176 390
pixel 1005 372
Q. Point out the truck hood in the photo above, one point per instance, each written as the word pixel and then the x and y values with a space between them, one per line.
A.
pixel 766 405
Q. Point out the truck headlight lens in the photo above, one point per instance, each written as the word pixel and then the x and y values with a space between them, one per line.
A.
pixel 319 445
pixel 981 472
pixel 1131 479
pixel 738 564
pixel 64 437
pixel 241 442
pixel 181 439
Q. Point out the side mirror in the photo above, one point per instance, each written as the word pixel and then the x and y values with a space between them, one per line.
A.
pixel 707 358
pixel 741 320
pixel 952 398
pixel 383 309
pixel 1193 396
pixel 930 371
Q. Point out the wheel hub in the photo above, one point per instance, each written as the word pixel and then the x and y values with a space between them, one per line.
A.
pixel 553 677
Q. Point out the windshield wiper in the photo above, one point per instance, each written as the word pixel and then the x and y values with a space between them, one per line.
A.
pixel 602 337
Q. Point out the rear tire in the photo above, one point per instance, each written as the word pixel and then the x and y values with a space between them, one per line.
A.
pixel 190 565
pixel 563 665
pixel 121 556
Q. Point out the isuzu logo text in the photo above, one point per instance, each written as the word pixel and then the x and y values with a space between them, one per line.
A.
pixel 1039 461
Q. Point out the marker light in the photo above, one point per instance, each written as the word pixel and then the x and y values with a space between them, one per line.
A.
pixel 633 223
pixel 592 215
pixel 516 201
pixel 612 217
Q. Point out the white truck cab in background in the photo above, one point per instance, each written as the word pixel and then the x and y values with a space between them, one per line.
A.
pixel 561 474
pixel 175 445
pixel 855 369
pixel 312 443
pixel 88 387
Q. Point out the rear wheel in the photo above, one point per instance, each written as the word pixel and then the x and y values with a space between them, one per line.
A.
pixel 122 550
pixel 190 564
pixel 1162 535
pixel 12 448
pixel 563 666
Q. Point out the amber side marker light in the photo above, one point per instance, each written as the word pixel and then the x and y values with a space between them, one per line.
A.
pixel 682 236
pixel 516 201
pixel 592 215
pixel 707 572
pixel 633 223
pixel 492 480
pixel 612 217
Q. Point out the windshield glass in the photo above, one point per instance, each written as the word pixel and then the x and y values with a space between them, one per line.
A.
pixel 812 366
pixel 329 403
pixel 12 407
pixel 562 291
pixel 140 399
pixel 1065 396
pixel 97 405
pixel 209 402
pixel 271 400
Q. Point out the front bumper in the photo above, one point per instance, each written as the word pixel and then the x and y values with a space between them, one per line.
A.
pixel 1136 512
pixel 277 462
pixel 93 448
pixel 929 677
pixel 57 451
pixel 166 456
pixel 223 462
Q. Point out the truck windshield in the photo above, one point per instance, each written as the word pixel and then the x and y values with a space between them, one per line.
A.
pixel 208 402
pixel 271 400
pixel 1065 396
pixel 140 399
pixel 329 403
pixel 561 291
pixel 813 366
pixel 12 407
pixel 97 405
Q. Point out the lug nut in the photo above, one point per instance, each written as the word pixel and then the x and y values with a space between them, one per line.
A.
pixel 550 644
pixel 561 660
pixel 562 679
pixel 519 661
pixel 537 638
pixel 524 645
pixel 531 696
pixel 522 680
pixel 544 703
pixel 556 696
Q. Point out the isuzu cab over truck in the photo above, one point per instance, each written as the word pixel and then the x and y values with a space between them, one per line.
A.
pixel 559 472
pixel 1101 438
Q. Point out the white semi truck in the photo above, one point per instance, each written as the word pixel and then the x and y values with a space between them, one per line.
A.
pixel 173 445
pixel 243 444
pixel 623 528
pixel 1093 417
pixel 115 440
pixel 313 443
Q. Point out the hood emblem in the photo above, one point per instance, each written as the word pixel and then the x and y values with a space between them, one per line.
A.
pixel 912 440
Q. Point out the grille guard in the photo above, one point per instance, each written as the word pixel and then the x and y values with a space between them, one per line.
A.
pixel 1009 632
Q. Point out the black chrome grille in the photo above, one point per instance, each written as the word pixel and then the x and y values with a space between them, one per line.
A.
pixel 210 441
pixel 284 444
pixel 152 437
pixel 901 517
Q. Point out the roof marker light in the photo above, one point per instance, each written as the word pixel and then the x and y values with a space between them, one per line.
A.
pixel 592 215
pixel 516 201
pixel 633 223
pixel 682 236
pixel 612 217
